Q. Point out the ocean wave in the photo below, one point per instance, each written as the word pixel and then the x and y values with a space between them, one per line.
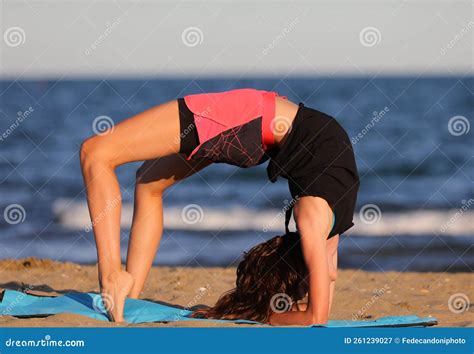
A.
pixel 74 215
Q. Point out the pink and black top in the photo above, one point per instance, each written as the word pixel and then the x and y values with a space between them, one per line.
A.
pixel 232 127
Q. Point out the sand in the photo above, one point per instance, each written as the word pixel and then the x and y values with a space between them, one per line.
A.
pixel 359 294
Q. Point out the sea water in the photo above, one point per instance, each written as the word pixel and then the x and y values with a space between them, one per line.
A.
pixel 412 138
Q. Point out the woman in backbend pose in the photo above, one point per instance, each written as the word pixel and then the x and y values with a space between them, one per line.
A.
pixel 243 127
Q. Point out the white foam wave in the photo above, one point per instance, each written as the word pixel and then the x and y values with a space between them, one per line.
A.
pixel 75 215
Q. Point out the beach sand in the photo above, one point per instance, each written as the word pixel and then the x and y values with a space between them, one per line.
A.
pixel 358 293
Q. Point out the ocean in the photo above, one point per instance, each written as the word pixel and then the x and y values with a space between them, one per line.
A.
pixel 412 138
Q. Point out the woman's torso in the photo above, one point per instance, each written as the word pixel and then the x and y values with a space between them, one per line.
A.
pixel 307 147
pixel 239 126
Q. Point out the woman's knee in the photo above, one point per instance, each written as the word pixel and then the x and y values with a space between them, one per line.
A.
pixel 93 151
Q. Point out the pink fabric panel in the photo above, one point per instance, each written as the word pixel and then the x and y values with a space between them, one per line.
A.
pixel 217 112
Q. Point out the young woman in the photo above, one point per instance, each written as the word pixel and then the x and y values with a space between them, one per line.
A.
pixel 243 127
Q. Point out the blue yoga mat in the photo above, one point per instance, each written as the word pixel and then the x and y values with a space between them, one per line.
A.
pixel 16 303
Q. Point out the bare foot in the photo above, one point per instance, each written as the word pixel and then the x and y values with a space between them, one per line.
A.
pixel 115 289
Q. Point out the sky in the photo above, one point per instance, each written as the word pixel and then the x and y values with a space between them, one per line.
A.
pixel 106 39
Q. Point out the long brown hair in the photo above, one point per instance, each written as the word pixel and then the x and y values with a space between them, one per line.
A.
pixel 271 276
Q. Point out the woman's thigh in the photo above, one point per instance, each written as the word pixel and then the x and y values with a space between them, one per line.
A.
pixel 154 176
pixel 148 135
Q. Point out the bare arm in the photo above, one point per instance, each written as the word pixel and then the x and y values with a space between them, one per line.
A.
pixel 313 216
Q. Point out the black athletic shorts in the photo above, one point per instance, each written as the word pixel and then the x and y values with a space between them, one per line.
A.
pixel 318 160
pixel 189 138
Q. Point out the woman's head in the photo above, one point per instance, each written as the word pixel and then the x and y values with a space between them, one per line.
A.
pixel 269 275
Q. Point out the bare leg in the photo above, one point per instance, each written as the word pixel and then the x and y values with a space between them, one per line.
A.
pixel 153 177
pixel 148 135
